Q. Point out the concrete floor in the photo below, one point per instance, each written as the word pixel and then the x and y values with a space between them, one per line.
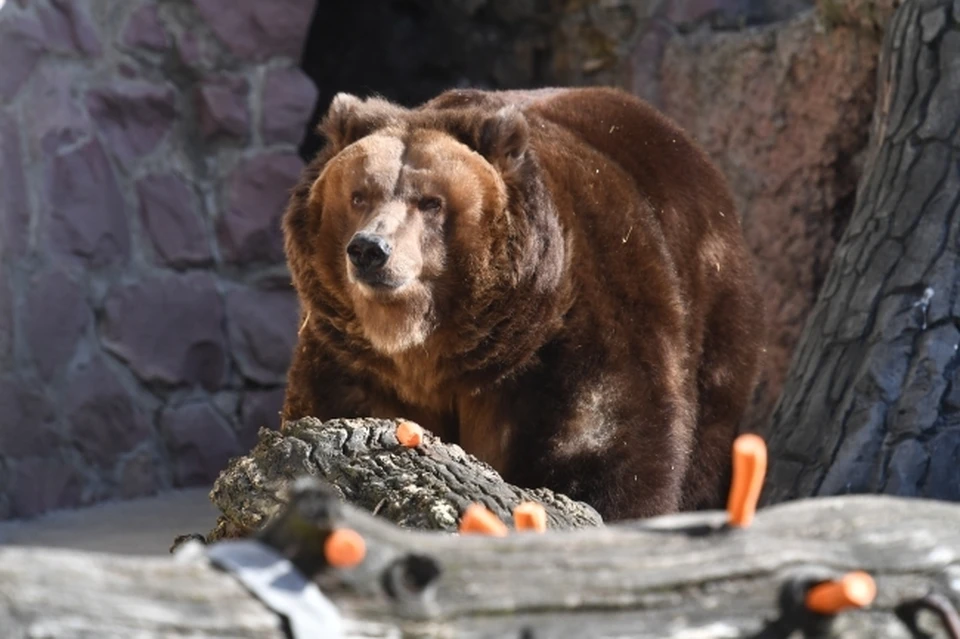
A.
pixel 136 527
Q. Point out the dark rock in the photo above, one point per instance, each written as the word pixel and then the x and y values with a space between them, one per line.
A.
pixel 199 441
pixel 87 216
pixel 6 320
pixel 259 409
pixel 227 402
pixel 262 327
pixel 171 218
pixel 39 484
pixel 21 45
pixel 257 193
pixel 644 59
pixel 259 30
pixel 27 427
pixel 683 12
pixel 190 49
pixel 140 475
pixel 222 107
pixel 104 419
pixel 134 116
pixel 54 119
pixel 145 31
pixel 289 97
pixel 168 329
pixel 14 206
pixel 55 318
pixel 67 27
pixel 736 14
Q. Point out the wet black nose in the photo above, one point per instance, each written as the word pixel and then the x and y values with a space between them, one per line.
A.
pixel 368 252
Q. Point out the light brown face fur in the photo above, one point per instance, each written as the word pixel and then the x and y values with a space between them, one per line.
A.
pixel 424 195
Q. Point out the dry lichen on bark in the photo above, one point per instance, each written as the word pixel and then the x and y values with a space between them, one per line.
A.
pixel 426 487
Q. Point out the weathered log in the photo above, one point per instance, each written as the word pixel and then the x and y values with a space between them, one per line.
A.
pixel 679 576
pixel 871 401
pixel 427 487
pixel 47 592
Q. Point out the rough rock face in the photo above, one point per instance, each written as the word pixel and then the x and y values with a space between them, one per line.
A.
pixel 623 43
pixel 146 318
pixel 789 112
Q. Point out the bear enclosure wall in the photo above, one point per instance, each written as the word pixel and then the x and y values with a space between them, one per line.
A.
pixel 147 148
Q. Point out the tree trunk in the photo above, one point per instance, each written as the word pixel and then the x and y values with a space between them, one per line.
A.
pixel 426 487
pixel 683 576
pixel 872 402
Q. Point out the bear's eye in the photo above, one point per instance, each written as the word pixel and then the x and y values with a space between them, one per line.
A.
pixel 357 199
pixel 429 204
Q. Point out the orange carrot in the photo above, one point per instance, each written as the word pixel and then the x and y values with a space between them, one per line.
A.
pixel 530 516
pixel 749 469
pixel 853 590
pixel 409 434
pixel 478 519
pixel 344 548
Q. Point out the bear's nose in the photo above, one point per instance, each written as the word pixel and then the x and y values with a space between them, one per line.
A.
pixel 368 252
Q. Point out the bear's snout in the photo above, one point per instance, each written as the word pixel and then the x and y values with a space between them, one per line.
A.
pixel 368 253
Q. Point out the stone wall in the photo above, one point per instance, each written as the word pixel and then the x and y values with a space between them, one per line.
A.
pixel 146 317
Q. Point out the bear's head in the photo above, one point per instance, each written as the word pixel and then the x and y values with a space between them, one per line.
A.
pixel 414 221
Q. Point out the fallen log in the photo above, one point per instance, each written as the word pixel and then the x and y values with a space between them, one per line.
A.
pixel 424 487
pixel 688 575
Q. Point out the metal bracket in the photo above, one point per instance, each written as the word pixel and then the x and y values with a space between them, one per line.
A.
pixel 275 581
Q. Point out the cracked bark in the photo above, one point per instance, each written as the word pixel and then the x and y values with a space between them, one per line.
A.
pixel 426 488
pixel 872 400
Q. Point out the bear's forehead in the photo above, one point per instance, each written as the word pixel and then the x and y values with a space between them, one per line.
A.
pixel 379 158
pixel 386 156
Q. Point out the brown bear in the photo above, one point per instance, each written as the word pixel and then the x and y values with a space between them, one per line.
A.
pixel 555 279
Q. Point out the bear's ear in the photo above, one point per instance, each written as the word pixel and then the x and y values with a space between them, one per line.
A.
pixel 503 138
pixel 349 118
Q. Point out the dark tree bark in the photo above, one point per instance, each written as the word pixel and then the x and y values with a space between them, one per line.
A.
pixel 426 488
pixel 872 402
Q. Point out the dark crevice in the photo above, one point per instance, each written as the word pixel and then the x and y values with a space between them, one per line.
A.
pixel 408 51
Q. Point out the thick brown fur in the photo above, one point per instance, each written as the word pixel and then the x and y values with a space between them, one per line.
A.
pixel 579 311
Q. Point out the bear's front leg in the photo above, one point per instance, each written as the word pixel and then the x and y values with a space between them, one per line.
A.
pixel 318 387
